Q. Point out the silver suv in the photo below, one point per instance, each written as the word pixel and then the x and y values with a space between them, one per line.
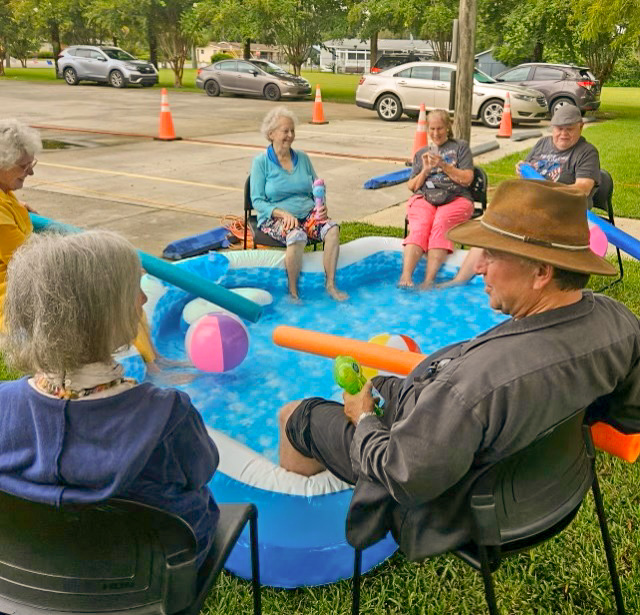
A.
pixel 104 64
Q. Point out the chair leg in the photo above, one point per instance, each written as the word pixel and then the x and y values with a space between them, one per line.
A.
pixel 357 567
pixel 488 580
pixel 255 563
pixel 608 549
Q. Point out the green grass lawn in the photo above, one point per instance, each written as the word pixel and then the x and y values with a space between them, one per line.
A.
pixel 335 88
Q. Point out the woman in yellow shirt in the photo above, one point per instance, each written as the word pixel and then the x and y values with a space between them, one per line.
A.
pixel 19 145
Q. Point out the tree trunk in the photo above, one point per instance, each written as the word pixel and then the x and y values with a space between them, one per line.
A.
pixel 538 51
pixel 152 38
pixel 464 73
pixel 246 49
pixel 55 43
pixel 373 52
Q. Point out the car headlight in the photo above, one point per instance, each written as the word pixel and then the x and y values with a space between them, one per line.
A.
pixel 524 97
pixel 131 66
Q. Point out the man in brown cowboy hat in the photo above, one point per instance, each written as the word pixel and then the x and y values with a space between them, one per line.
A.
pixel 473 403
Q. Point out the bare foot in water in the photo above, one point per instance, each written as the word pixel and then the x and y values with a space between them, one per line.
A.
pixel 426 286
pixel 295 299
pixel 402 283
pixel 450 284
pixel 336 294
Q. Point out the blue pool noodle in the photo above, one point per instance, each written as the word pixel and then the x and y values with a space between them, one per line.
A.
pixel 177 276
pixel 617 237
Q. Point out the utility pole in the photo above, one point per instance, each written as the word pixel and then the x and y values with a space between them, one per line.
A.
pixel 464 73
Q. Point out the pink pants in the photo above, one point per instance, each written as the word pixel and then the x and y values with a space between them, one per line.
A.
pixel 428 224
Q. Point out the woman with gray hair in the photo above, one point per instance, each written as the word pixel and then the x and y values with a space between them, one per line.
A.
pixel 76 430
pixel 281 192
pixel 440 179
pixel 19 145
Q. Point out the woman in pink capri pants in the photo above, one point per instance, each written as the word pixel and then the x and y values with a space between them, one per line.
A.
pixel 440 179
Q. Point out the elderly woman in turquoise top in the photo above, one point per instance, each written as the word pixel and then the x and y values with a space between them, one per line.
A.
pixel 281 192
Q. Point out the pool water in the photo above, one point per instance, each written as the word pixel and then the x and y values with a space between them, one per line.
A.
pixel 243 403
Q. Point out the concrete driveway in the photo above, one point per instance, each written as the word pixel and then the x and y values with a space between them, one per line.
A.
pixel 117 177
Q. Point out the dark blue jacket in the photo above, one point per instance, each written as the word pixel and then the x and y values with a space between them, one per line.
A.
pixel 145 444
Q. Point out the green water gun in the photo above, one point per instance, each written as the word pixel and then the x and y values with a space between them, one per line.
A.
pixel 348 374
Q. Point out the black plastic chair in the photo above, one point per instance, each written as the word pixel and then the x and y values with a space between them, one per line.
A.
pixel 113 557
pixel 603 199
pixel 251 222
pixel 479 187
pixel 526 499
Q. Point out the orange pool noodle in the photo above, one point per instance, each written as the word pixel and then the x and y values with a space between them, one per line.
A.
pixel 609 439
pixel 372 355
pixel 605 437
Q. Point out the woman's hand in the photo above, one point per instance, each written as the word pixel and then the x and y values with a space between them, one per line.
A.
pixel 322 213
pixel 355 405
pixel 435 160
pixel 30 209
pixel 427 165
pixel 289 221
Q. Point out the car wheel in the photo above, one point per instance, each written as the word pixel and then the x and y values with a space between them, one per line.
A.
pixel 272 92
pixel 116 79
pixel 389 108
pixel 212 88
pixel 559 102
pixel 70 76
pixel 491 113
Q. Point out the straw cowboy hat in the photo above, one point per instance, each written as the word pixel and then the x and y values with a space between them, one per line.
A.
pixel 541 220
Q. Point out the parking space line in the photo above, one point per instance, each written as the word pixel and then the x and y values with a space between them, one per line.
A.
pixel 122 198
pixel 310 152
pixel 167 180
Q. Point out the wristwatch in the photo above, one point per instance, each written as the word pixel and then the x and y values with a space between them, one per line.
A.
pixel 363 415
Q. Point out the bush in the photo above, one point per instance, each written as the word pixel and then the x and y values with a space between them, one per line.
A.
pixel 626 72
pixel 216 57
pixel 45 55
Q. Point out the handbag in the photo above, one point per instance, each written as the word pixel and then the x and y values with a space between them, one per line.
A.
pixel 438 196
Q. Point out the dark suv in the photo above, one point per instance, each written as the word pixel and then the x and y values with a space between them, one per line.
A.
pixel 561 84
pixel 386 61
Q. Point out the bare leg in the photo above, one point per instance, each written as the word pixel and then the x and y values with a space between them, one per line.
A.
pixel 410 258
pixel 289 458
pixel 467 269
pixel 330 260
pixel 293 264
pixel 435 258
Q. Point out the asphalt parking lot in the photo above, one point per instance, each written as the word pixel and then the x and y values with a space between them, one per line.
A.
pixel 114 175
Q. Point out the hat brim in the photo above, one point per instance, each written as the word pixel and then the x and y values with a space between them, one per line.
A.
pixel 472 233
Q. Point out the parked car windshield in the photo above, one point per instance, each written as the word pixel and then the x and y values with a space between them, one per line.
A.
pixel 118 54
pixel 268 67
pixel 481 77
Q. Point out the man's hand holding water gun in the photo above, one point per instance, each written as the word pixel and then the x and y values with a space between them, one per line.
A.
pixel 361 404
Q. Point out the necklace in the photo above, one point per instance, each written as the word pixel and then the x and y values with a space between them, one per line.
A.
pixel 57 390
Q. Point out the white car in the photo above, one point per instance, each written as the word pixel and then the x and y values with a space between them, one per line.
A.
pixel 402 89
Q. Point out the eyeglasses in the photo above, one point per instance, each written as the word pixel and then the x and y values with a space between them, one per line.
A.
pixel 29 166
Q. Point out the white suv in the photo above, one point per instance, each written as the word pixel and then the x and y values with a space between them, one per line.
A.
pixel 104 64
pixel 402 89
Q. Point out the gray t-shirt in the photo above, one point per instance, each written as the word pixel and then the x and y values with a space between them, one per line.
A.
pixel 578 162
pixel 453 151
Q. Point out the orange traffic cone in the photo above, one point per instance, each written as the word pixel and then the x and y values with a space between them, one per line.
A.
pixel 421 140
pixel 318 113
pixel 505 122
pixel 166 133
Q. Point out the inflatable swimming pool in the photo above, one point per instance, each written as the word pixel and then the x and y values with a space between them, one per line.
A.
pixel 301 520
